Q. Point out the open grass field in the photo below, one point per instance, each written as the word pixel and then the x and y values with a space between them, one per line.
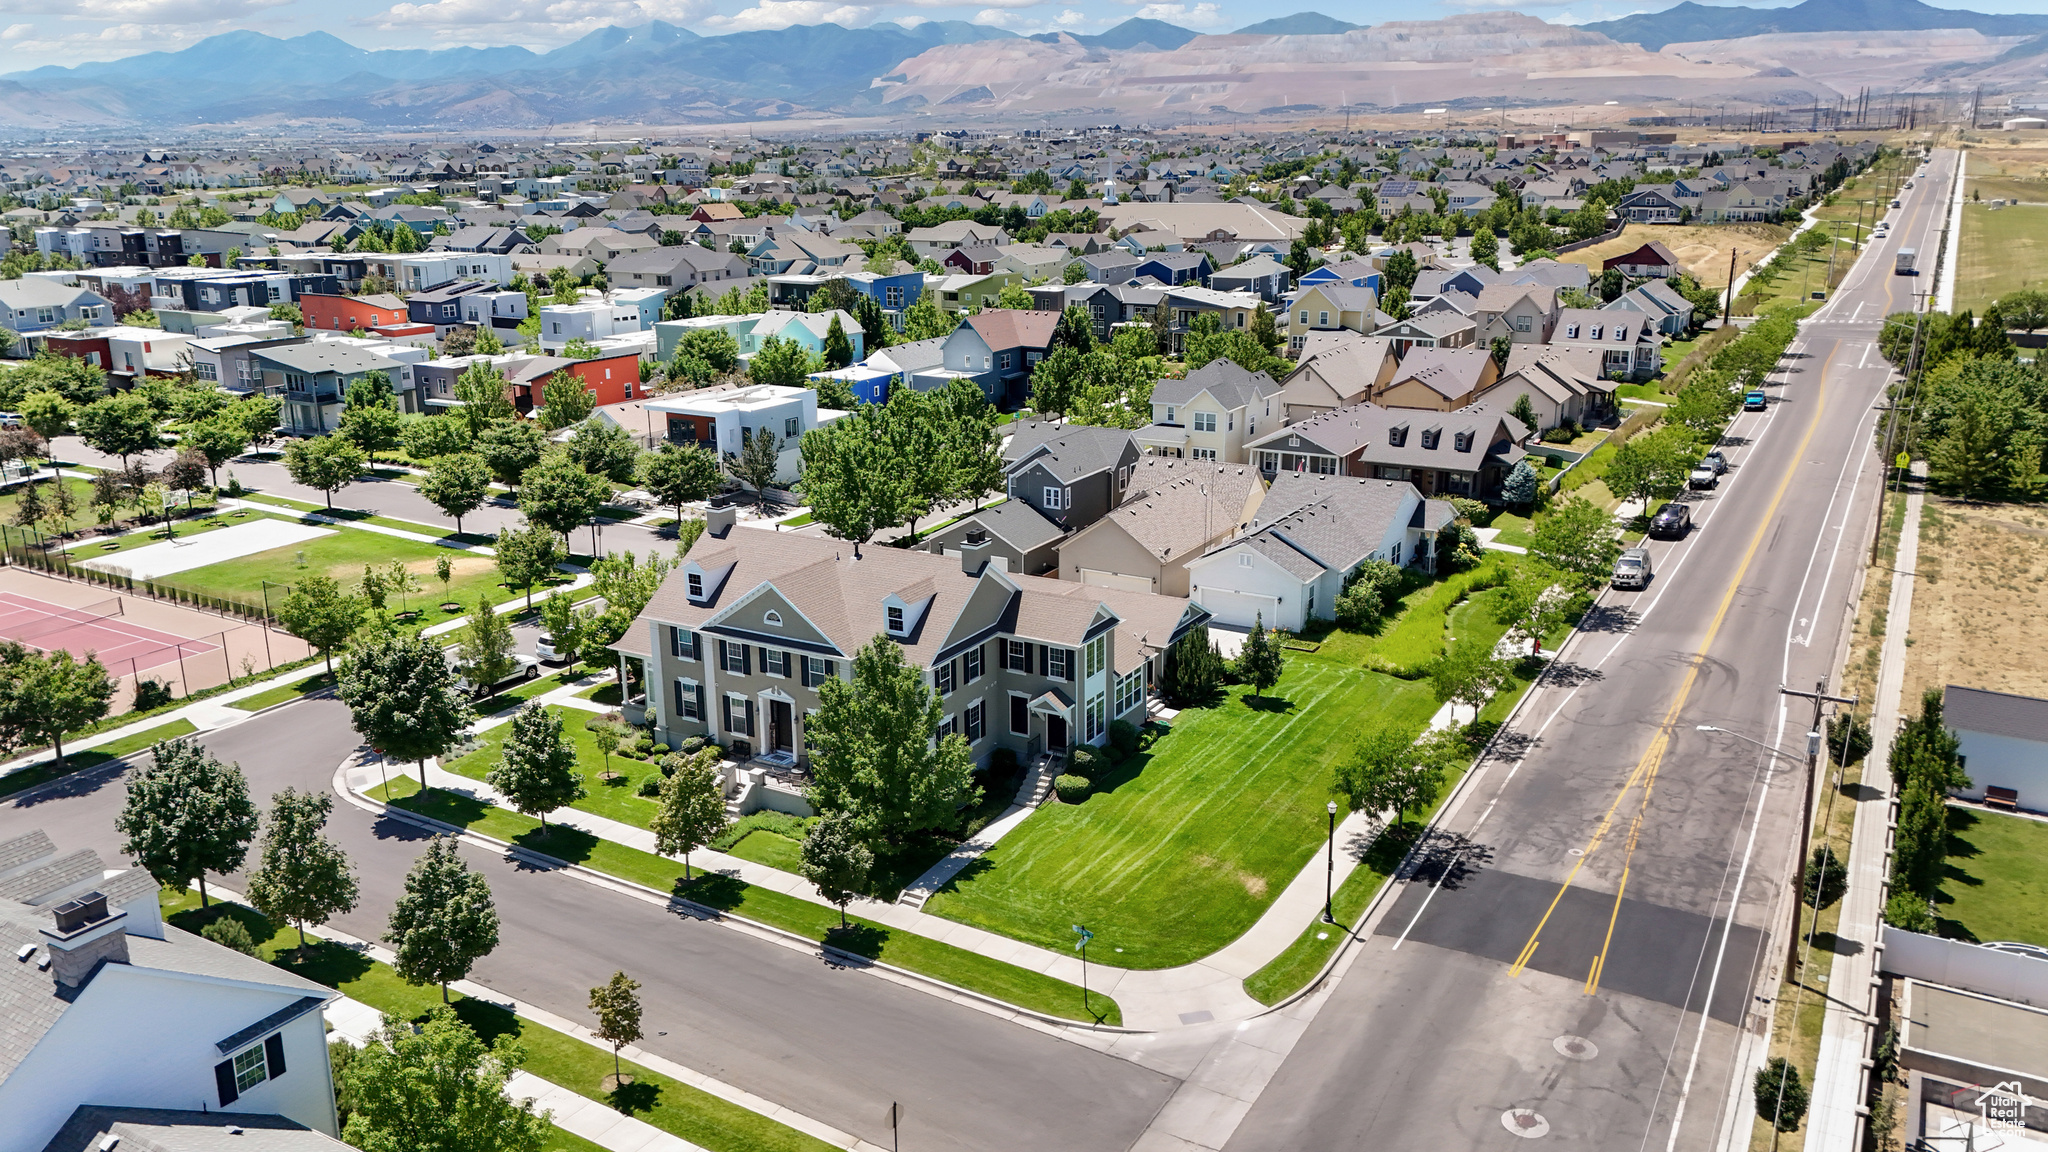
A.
pixel 343 556
pixel 675 1108
pixel 956 966
pixel 2009 169
pixel 1980 602
pixel 1997 886
pixel 1182 848
pixel 1702 249
pixel 81 493
pixel 2002 249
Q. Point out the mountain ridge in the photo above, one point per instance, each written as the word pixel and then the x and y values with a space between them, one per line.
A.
pixel 1690 21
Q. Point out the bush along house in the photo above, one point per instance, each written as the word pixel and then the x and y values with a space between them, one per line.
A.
pixel 737 640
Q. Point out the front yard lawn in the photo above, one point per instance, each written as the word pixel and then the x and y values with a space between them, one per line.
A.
pixel 675 1108
pixel 615 799
pixel 1413 634
pixel 1997 886
pixel 1182 848
pixel 1005 982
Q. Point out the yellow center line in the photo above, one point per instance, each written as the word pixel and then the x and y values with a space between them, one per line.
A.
pixel 1646 768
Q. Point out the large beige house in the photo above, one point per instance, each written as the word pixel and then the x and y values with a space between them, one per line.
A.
pixel 738 639
pixel 1176 511
pixel 1210 413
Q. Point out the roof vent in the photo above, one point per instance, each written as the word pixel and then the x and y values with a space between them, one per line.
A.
pixel 108 1142
pixel 234 1129
pixel 24 952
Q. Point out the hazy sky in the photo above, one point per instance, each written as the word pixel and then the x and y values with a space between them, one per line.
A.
pixel 37 32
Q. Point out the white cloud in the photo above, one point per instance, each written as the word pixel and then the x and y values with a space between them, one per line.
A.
pixel 17 31
pixel 1190 16
pixel 772 14
pixel 559 19
pixel 145 11
pixel 1068 20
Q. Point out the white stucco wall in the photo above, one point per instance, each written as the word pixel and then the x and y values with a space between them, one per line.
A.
pixel 2005 762
pixel 146 1039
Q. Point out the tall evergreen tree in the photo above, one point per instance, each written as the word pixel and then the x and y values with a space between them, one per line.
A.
pixel 1260 662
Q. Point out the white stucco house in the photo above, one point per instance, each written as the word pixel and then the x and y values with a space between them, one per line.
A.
pixel 2003 742
pixel 1310 533
pixel 104 1006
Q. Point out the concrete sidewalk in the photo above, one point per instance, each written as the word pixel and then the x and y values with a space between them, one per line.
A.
pixel 1839 1078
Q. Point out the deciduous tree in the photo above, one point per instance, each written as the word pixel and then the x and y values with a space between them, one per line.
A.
pixel 559 495
pixel 432 437
pixel 537 769
pixel 676 475
pixel 327 463
pixel 692 807
pixel 565 400
pixel 435 1085
pixel 446 920
pixel 873 756
pixel 457 484
pixel 320 613
pixel 758 463
pixel 119 426
pixel 403 698
pixel 1578 537
pixel 510 447
pixel 187 814
pixel 301 876
pixel 526 556
pixel 217 440
pixel 1387 771
pixel 836 860
pixel 616 1004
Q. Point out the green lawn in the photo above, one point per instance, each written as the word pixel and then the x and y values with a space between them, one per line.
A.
pixel 1516 530
pixel 1287 972
pixel 673 1107
pixel 93 757
pixel 605 693
pixel 1997 886
pixel 283 692
pixel 81 491
pixel 526 690
pixel 2000 250
pixel 1183 847
pixel 1415 632
pixel 154 534
pixel 957 966
pixel 353 515
pixel 343 555
pixel 771 848
pixel 615 799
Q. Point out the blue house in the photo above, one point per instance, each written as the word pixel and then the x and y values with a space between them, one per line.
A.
pixel 1357 273
pixel 893 293
pixel 1176 268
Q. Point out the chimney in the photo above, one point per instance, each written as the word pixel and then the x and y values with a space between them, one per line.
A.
pixel 719 521
pixel 975 552
pixel 86 933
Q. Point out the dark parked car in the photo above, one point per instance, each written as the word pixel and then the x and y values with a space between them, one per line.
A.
pixel 1672 520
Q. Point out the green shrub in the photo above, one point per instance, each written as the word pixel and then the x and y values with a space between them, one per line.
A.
pixel 1826 875
pixel 660 750
pixel 1003 761
pixel 1910 912
pixel 1475 511
pixel 229 932
pixel 1071 789
pixel 1087 760
pixel 643 746
pixel 1123 737
pixel 151 693
pixel 780 823
pixel 652 785
pixel 1562 434
pixel 691 744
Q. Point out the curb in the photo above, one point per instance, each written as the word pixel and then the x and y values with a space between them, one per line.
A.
pixel 1372 907
pixel 707 913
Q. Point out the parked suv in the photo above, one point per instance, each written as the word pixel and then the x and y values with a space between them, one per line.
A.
pixel 1674 519
pixel 545 648
pixel 1716 461
pixel 1703 476
pixel 1632 568
pixel 524 667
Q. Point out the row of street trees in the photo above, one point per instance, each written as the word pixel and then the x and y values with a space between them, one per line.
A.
pixel 887 465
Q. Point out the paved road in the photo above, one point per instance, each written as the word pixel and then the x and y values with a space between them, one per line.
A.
pixel 834 1044
pixel 1619 875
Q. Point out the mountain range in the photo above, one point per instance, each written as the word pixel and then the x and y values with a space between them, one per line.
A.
pixel 660 73
pixel 1688 22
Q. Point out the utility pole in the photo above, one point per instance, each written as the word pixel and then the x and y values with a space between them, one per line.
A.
pixel 1820 699
pixel 1729 307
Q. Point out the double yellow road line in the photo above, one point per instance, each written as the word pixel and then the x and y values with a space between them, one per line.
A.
pixel 1645 773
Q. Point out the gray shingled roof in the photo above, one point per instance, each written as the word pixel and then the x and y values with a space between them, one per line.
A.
pixel 1017 524
pixel 1335 520
pixel 1068 451
pixel 175 1130
pixel 1995 713
pixel 1226 380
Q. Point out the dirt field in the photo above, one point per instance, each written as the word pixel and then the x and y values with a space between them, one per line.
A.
pixel 228 648
pixel 2002 171
pixel 1701 248
pixel 1980 602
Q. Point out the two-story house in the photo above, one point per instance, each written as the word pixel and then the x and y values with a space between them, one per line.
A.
pixel 122 1030
pixel 40 303
pixel 1210 413
pixel 1649 260
pixel 1562 384
pixel 720 420
pixel 314 377
pixel 1658 300
pixel 1262 276
pixel 1336 369
pixel 1445 329
pixel 935 242
pixel 738 639
pixel 1524 313
pixel 1440 379
pixel 1468 452
pixel 1288 567
pixel 1327 307
pixel 1073 474
pixel 1630 348
pixel 1175 510
pixel 999 350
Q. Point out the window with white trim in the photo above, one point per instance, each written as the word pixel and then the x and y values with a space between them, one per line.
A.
pixel 1205 422
pixel 250 1068
pixel 970 665
pixel 942 678
pixel 689 699
pixel 774 662
pixel 1097 652
pixel 976 715
pixel 1130 690
pixel 1016 656
pixel 1056 498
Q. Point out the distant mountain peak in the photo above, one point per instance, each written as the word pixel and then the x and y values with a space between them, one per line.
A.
pixel 1689 21
pixel 1299 24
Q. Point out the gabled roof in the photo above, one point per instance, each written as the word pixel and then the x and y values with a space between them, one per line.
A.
pixel 1017 524
pixel 1449 372
pixel 1003 328
pixel 1311 524
pixel 1231 385
pixel 1995 713
pixel 1068 451
pixel 1178 506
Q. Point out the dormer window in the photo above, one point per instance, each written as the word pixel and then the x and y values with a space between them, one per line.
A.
pixel 1571 331
pixel 1595 332
pixel 1462 441
pixel 895 619
pixel 696 585
pixel 1398 435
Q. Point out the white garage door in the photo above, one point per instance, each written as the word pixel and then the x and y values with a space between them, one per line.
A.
pixel 1102 579
pixel 1239 608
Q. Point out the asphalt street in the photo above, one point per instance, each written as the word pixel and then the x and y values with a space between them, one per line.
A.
pixel 1587 935
pixel 832 1043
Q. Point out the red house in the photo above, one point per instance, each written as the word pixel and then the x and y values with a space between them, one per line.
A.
pixel 348 313
pixel 89 345
pixel 1652 259
pixel 612 379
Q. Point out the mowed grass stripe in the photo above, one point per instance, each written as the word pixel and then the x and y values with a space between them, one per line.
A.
pixel 1182 849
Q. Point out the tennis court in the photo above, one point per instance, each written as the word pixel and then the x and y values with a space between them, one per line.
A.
pixel 135 636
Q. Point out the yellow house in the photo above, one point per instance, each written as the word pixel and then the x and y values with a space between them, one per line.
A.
pixel 1439 379
pixel 1210 413
pixel 1324 307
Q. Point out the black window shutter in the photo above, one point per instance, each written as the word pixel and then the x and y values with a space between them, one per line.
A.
pixel 721 655
pixel 750 718
pixel 746 660
pixel 679 697
pixel 273 1054
pixel 831 669
pixel 700 701
pixel 1044 660
pixel 786 658
pixel 224 1079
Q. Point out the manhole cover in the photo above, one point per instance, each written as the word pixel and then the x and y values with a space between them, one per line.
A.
pixel 1575 1047
pixel 1524 1123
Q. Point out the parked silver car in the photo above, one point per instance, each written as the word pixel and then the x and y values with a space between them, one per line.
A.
pixel 1632 569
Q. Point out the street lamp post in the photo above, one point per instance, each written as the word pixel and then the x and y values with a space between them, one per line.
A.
pixel 1330 868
